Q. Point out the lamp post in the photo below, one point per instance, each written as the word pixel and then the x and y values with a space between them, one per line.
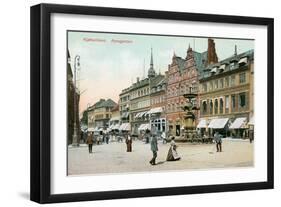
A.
pixel 75 130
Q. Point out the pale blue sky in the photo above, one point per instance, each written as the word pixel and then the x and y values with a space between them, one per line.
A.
pixel 108 67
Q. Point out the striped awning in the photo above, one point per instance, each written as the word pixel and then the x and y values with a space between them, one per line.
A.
pixel 140 114
pixel 125 127
pixel 144 127
pixel 202 124
pixel 116 127
pixel 155 110
pixel 252 121
pixel 239 123
pixel 218 123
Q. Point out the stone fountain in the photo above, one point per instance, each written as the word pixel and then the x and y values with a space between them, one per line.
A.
pixel 189 117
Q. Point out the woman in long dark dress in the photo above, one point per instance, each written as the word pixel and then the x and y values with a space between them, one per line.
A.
pixel 129 143
pixel 172 153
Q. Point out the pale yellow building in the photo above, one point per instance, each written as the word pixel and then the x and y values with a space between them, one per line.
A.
pixel 227 95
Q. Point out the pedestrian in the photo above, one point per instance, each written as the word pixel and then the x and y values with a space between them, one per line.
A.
pixel 107 138
pixel 218 140
pixel 154 149
pixel 172 153
pixel 129 143
pixel 90 142
pixel 147 132
pixel 251 135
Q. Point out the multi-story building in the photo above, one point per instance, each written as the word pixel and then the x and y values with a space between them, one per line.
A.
pixel 158 103
pixel 71 107
pixel 124 105
pixel 139 104
pixel 138 95
pixel 115 116
pixel 182 78
pixel 227 95
pixel 100 113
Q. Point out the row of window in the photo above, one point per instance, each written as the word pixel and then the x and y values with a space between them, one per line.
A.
pixel 158 99
pixel 125 98
pixel 158 88
pixel 176 91
pixel 234 102
pixel 140 104
pixel 177 77
pixel 140 92
pixel 102 116
pixel 228 81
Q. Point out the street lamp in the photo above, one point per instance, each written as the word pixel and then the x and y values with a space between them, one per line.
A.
pixel 75 132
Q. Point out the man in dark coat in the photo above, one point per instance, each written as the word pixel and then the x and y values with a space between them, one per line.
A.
pixel 90 142
pixel 154 149
pixel 218 140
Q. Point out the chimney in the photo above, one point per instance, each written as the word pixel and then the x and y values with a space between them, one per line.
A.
pixel 212 55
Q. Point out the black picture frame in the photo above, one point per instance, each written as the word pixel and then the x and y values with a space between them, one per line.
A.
pixel 41 102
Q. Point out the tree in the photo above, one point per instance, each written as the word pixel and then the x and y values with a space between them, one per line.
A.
pixel 84 119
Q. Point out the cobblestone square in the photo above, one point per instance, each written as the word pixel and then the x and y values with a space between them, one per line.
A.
pixel 112 158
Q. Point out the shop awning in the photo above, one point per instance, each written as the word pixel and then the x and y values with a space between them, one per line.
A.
pixel 238 123
pixel 125 127
pixel 91 129
pixel 116 127
pixel 137 115
pixel 155 110
pixel 218 123
pixel 125 115
pixel 140 114
pixel 202 124
pixel 144 127
pixel 117 118
pixel 252 121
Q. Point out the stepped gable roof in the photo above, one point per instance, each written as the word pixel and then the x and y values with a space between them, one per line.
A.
pixel 179 61
pixel 200 60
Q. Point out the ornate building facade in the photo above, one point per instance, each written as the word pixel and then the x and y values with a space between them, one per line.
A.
pixel 182 78
pixel 227 94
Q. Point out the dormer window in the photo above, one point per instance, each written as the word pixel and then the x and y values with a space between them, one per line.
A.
pixel 222 68
pixel 214 70
pixel 243 61
pixel 232 65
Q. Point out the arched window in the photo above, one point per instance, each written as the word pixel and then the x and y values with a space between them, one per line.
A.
pixel 211 107
pixel 204 107
pixel 221 105
pixel 216 106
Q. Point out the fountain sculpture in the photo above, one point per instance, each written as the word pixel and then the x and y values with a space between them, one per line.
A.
pixel 189 117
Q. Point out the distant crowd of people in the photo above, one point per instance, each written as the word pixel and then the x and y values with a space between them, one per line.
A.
pixel 148 137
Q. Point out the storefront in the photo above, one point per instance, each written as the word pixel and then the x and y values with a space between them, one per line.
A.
pixel 239 128
pixel 218 125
